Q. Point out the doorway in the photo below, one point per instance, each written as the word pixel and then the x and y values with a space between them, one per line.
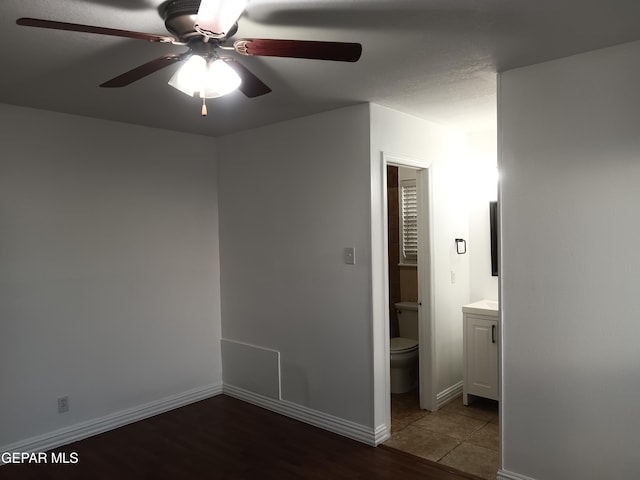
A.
pixel 380 280
pixel 406 288
pixel 477 427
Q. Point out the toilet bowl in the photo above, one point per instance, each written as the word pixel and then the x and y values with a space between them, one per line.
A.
pixel 404 349
pixel 404 364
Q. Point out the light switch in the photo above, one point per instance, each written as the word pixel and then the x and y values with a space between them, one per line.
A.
pixel 350 256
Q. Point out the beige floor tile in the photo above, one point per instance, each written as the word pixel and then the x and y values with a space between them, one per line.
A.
pixel 410 400
pixel 450 424
pixel 397 425
pixel 422 443
pixel 488 437
pixel 405 409
pixel 408 412
pixel 398 422
pixel 481 409
pixel 473 459
pixel 464 437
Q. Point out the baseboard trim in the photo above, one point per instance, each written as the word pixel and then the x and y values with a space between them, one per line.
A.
pixel 322 420
pixel 448 394
pixel 381 434
pixel 507 475
pixel 80 431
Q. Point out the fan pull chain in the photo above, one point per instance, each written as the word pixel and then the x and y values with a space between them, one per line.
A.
pixel 204 107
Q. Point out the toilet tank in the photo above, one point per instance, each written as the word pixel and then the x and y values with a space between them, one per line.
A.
pixel 408 319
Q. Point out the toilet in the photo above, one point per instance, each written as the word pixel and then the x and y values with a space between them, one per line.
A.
pixel 404 349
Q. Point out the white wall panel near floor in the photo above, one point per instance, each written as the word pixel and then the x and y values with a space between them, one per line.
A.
pixel 251 368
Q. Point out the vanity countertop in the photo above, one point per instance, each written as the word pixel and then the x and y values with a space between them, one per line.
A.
pixel 482 307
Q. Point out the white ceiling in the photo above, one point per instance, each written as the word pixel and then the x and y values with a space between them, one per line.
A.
pixel 435 59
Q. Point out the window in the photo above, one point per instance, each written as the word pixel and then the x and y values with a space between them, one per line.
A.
pixel 408 222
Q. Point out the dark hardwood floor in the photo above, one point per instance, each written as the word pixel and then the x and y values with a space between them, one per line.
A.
pixel 225 438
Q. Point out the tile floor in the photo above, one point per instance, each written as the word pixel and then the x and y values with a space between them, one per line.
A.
pixel 463 437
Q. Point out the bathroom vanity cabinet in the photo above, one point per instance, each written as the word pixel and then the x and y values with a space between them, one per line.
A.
pixel 481 343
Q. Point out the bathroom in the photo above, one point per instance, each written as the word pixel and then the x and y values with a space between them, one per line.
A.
pixel 464 437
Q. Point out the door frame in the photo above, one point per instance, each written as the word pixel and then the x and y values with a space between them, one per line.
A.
pixel 380 279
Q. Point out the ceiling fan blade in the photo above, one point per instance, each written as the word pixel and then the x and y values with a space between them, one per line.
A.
pixel 75 27
pixel 215 18
pixel 251 85
pixel 142 71
pixel 337 51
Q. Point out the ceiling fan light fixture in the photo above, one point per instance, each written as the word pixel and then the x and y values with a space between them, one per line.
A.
pixel 221 79
pixel 189 77
pixel 217 17
pixel 205 79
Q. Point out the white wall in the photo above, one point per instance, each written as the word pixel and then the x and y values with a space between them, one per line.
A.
pixel 399 134
pixel 482 188
pixel 293 195
pixel 570 165
pixel 109 283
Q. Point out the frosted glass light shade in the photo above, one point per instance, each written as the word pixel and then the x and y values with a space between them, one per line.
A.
pixel 190 76
pixel 216 17
pixel 205 80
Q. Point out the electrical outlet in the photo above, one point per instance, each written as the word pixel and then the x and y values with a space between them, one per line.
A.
pixel 63 404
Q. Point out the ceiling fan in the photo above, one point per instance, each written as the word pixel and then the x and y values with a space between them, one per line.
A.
pixel 210 69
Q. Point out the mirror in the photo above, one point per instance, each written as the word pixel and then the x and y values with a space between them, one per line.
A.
pixel 493 222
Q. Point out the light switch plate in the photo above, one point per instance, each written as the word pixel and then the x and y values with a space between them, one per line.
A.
pixel 350 256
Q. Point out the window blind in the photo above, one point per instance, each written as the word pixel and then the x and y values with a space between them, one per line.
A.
pixel 409 221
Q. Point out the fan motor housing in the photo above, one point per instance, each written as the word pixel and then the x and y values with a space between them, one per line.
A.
pixel 180 16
